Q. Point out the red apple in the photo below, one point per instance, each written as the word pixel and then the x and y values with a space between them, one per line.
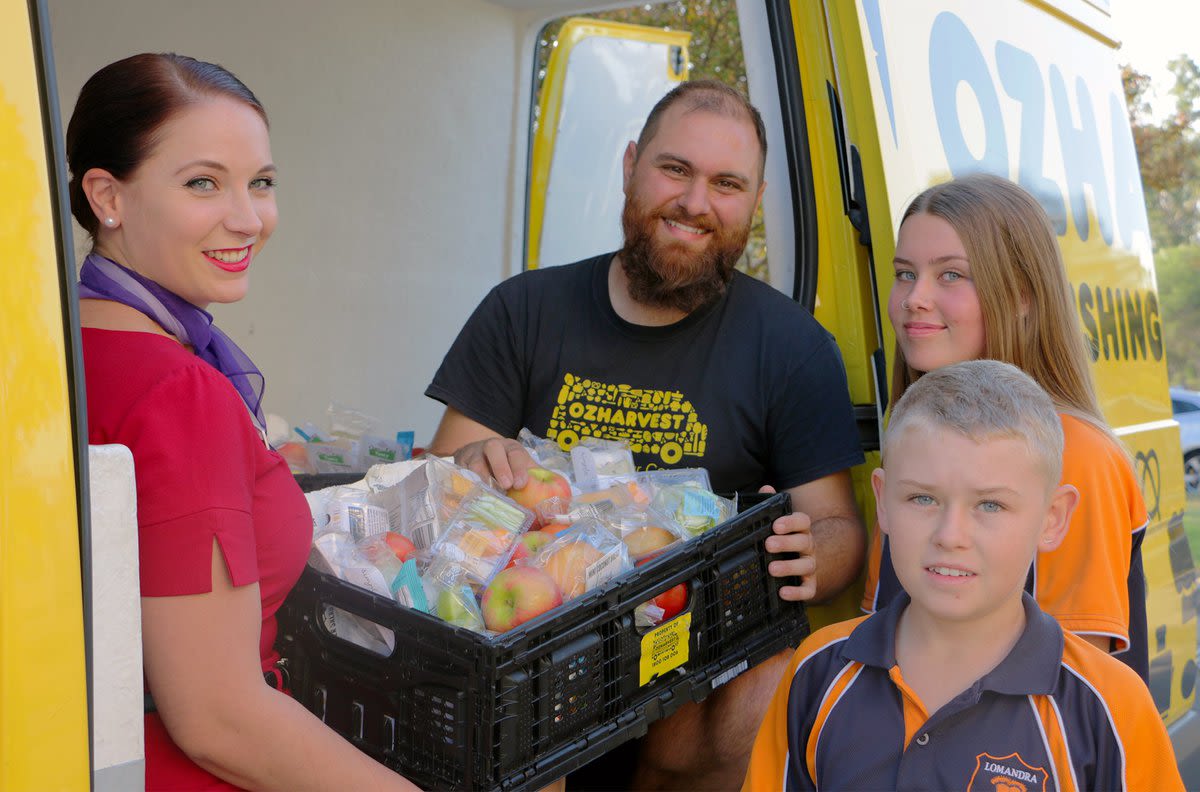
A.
pixel 542 485
pixel 517 595
pixel 673 600
pixel 528 545
pixel 551 511
pixel 401 545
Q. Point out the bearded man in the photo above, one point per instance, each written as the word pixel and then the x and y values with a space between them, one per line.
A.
pixel 665 346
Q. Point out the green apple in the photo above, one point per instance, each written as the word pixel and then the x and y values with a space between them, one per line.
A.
pixel 452 607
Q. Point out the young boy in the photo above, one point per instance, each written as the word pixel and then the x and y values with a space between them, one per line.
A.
pixel 965 683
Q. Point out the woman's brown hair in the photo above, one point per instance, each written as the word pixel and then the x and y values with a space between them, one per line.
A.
pixel 1029 318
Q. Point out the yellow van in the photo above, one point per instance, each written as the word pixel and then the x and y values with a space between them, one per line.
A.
pixel 417 142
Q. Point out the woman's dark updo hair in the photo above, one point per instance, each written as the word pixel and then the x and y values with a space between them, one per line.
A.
pixel 121 108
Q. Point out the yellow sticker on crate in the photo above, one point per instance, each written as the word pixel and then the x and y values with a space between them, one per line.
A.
pixel 665 647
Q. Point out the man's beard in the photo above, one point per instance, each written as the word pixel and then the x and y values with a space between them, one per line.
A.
pixel 667 275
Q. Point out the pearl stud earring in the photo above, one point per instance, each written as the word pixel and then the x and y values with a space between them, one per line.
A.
pixel 108 221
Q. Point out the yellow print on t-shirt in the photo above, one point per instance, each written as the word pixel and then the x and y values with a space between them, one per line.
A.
pixel 662 423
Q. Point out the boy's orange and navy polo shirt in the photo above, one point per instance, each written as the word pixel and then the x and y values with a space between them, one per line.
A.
pixel 1056 714
pixel 1093 583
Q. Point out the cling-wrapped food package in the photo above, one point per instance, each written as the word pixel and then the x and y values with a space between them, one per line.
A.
pixel 582 557
pixel 546 453
pixel 644 531
pixel 600 463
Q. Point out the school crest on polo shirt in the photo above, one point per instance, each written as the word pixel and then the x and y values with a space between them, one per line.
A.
pixel 1006 774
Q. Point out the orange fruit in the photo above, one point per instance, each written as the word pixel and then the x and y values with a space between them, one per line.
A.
pixel 568 566
pixel 647 539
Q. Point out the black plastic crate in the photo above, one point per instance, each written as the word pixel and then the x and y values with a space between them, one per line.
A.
pixel 451 709
pixel 316 481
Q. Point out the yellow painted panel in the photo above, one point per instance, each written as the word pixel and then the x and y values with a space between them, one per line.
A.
pixel 1117 300
pixel 43 692
pixel 843 303
pixel 1167 561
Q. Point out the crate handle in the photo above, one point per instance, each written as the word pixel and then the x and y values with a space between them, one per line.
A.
pixel 355 630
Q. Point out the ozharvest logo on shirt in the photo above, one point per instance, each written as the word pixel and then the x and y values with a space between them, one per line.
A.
pixel 662 423
pixel 1006 774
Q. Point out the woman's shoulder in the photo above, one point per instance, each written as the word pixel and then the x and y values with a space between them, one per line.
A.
pixel 117 339
pixel 1096 463
pixel 1081 437
pixel 127 370
pixel 135 355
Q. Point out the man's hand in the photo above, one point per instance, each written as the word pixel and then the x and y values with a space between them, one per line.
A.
pixel 793 537
pixel 480 449
pixel 501 458
pixel 825 535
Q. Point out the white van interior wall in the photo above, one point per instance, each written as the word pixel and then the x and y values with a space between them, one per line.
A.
pixel 116 622
pixel 392 125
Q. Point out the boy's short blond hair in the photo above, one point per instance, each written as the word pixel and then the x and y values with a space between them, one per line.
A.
pixel 984 399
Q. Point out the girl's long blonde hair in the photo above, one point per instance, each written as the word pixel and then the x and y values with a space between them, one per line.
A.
pixel 1029 318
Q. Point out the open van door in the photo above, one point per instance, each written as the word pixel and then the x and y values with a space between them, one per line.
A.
pixel 43 672
pixel 600 83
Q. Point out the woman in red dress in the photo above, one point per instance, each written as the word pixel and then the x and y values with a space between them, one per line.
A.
pixel 172 177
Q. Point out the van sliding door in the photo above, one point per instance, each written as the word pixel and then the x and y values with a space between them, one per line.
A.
pixel 43 676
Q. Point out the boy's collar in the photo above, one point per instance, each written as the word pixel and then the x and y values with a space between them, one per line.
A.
pixel 1031 667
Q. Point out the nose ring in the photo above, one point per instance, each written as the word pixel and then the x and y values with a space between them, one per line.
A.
pixel 904 304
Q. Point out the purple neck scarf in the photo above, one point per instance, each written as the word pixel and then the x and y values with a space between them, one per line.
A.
pixel 104 279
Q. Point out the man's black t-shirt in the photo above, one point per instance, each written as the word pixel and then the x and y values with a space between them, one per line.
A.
pixel 751 388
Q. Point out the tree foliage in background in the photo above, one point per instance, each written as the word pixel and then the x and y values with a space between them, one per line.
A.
pixel 1178 271
pixel 1169 153
pixel 1169 156
pixel 716 45
pixel 714 52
